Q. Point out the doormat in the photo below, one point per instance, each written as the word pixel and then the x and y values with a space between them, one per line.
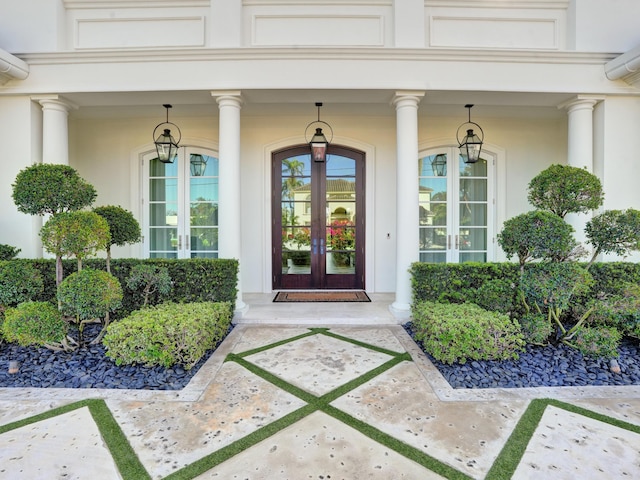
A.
pixel 322 296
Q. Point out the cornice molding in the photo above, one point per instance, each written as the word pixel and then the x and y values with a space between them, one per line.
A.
pixel 354 54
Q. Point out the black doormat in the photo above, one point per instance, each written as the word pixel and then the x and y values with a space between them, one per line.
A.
pixel 322 296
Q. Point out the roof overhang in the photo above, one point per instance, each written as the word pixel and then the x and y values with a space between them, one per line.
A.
pixel 625 67
pixel 11 67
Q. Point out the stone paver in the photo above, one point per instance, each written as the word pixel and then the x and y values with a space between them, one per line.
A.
pixel 409 404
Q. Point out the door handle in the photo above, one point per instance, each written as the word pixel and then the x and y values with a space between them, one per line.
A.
pixel 457 243
pixel 179 241
pixel 314 246
pixel 449 241
pixel 322 246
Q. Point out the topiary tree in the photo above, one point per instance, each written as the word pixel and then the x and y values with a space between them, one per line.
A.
pixel 90 295
pixel 614 231
pixel 562 189
pixel 152 279
pixel 50 188
pixel 124 228
pixel 537 235
pixel 74 234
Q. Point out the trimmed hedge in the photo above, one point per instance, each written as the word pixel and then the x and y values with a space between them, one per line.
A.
pixel 193 280
pixel 34 323
pixel 459 283
pixel 460 332
pixel 168 334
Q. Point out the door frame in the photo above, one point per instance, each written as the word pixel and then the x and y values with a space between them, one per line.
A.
pixel 319 280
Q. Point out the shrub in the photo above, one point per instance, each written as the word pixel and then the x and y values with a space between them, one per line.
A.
pixel 537 235
pixel 497 295
pixel 562 189
pixel 536 328
pixel 51 188
pixel 19 282
pixel 168 334
pixel 621 311
pixel 152 279
pixel 597 341
pixel 34 323
pixel 7 252
pixel 461 332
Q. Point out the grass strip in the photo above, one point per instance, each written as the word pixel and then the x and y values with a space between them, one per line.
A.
pixel 361 344
pixel 123 454
pixel 216 458
pixel 121 451
pixel 396 445
pixel 275 344
pixel 511 454
pixel 271 378
pixel 364 378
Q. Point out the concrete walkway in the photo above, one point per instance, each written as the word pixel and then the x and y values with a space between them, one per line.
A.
pixel 333 402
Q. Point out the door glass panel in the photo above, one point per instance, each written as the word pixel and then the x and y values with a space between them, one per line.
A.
pixel 183 207
pixel 340 206
pixel 296 215
pixel 431 257
pixel 478 169
pixel 473 190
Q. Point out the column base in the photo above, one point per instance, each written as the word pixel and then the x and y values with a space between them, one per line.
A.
pixel 400 311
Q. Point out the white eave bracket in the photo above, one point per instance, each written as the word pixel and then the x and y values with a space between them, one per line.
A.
pixel 625 67
pixel 12 67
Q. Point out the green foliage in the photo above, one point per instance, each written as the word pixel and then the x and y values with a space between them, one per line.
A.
pixel 7 252
pixel 19 282
pixel 456 283
pixel 89 294
pixel 461 332
pixel 498 295
pixel 621 311
pixel 536 328
pixel 552 285
pixel 50 188
pixel 597 341
pixel 151 279
pixel 168 334
pixel 563 189
pixel 537 235
pixel 614 231
pixel 80 234
pixel 34 323
pixel 124 228
pixel 194 279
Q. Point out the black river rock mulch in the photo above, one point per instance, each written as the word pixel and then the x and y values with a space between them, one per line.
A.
pixel 542 366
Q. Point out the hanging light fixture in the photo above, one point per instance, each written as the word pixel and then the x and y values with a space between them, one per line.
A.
pixel 198 164
pixel 166 145
pixel 471 144
pixel 439 165
pixel 319 142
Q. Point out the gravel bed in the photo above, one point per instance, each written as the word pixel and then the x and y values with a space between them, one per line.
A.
pixel 548 366
pixel 87 368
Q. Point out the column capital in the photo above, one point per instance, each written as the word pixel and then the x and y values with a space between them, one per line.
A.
pixel 403 98
pixel 228 97
pixel 580 102
pixel 54 102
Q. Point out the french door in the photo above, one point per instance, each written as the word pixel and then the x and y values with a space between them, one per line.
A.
pixel 456 208
pixel 181 205
pixel 318 219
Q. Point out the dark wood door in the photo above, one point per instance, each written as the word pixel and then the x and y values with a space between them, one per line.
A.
pixel 318 219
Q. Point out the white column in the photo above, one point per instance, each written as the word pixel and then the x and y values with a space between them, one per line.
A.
pixel 229 215
pixel 55 129
pixel 580 150
pixel 407 233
